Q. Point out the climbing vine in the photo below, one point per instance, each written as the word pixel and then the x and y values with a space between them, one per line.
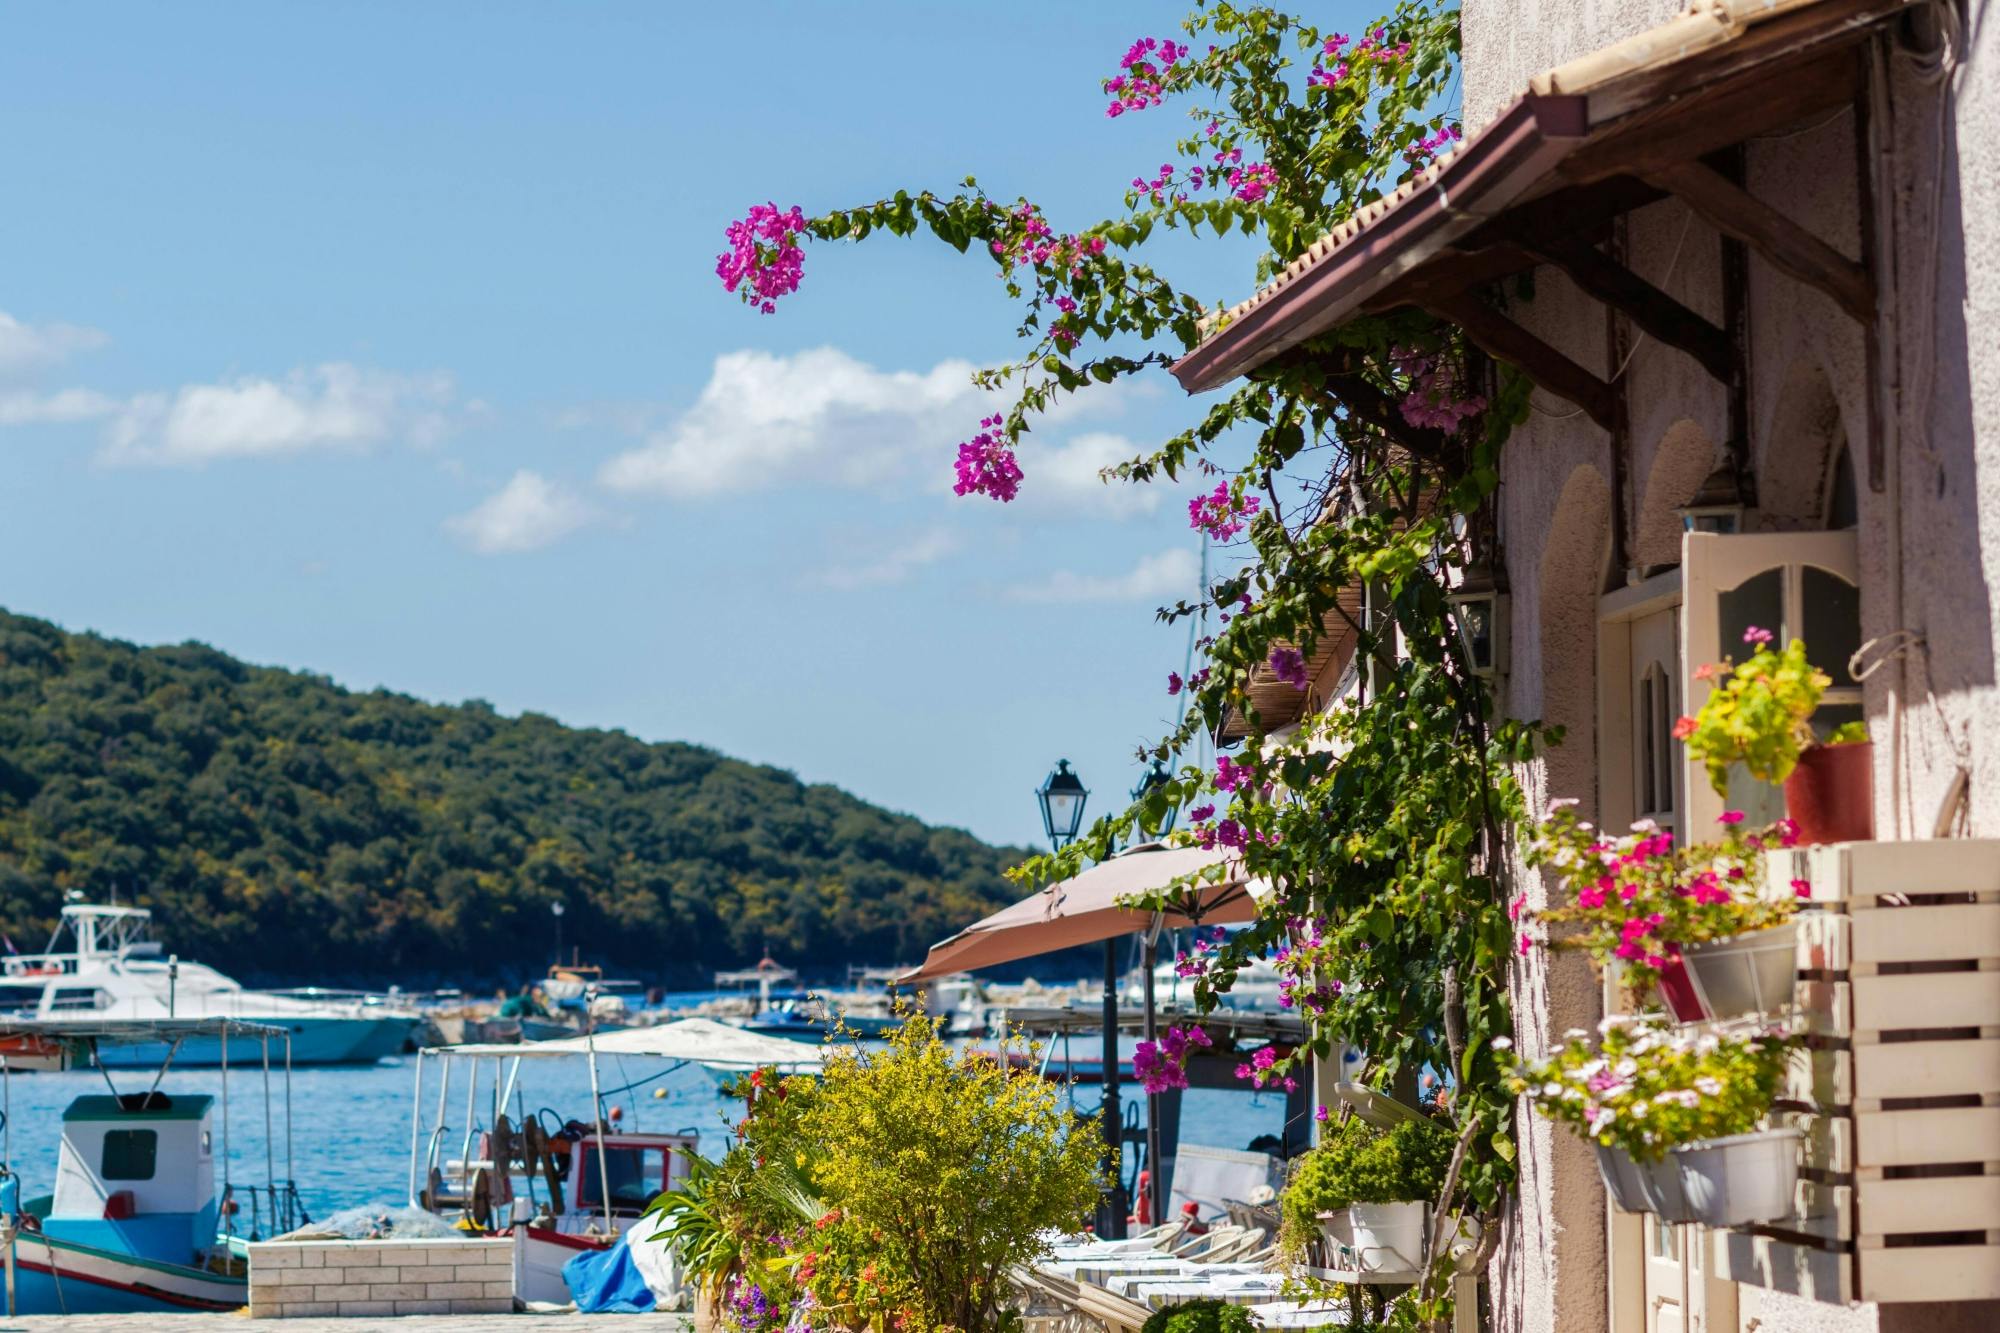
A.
pixel 1361 460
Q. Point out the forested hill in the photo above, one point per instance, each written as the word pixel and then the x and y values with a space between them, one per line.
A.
pixel 281 827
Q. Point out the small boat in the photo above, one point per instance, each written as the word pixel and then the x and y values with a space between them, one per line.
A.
pixel 806 1017
pixel 563 1186
pixel 114 970
pixel 135 1224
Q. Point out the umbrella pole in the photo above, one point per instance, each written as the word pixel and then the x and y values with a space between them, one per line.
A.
pixel 1156 1179
pixel 1113 1120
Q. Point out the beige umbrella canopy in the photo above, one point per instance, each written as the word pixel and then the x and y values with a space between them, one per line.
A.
pixel 1084 909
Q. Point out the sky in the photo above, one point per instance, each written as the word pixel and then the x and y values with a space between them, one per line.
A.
pixel 384 341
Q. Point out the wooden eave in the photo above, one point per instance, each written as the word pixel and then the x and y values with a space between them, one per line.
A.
pixel 1280 704
pixel 1588 141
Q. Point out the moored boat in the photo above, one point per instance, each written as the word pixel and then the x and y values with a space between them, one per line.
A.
pixel 135 1223
pixel 114 970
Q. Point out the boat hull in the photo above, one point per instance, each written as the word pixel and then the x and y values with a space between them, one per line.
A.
pixel 64 1278
pixel 315 1041
pixel 539 1256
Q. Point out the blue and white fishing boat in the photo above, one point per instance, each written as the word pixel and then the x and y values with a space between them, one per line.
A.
pixel 136 1223
pixel 114 969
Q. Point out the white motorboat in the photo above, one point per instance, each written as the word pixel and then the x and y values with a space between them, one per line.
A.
pixel 114 970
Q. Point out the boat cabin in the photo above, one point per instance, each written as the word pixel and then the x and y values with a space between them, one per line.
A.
pixel 136 1175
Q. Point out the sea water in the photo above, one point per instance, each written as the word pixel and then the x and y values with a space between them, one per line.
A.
pixel 348 1139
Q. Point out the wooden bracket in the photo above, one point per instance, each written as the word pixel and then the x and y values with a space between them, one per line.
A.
pixel 1660 315
pixel 1504 340
pixel 1783 243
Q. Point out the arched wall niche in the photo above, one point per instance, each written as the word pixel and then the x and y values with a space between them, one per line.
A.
pixel 1681 462
pixel 1797 449
pixel 1571 576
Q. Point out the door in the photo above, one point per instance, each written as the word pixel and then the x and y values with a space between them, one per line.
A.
pixel 1803 585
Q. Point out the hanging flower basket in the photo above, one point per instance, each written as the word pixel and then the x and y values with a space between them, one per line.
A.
pixel 1377 1237
pixel 1388 1237
pixel 1830 795
pixel 1736 1180
pixel 1752 973
pixel 1624 1179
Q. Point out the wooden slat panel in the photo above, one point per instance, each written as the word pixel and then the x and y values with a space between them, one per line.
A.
pixel 1947 1203
pixel 1826 1211
pixel 1826 941
pixel 1934 865
pixel 1825 1079
pixel 1926 1069
pixel 1926 1000
pixel 1820 1275
pixel 1828 1007
pixel 1931 1273
pixel 1829 1140
pixel 1925 1138
pixel 1926 934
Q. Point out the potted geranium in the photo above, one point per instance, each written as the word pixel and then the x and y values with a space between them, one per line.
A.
pixel 1691 920
pixel 1676 1116
pixel 1758 714
pixel 1368 1190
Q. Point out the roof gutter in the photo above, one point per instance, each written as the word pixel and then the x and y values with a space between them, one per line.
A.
pixel 1383 242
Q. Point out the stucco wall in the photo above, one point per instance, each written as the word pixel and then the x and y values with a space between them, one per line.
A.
pixel 1930 540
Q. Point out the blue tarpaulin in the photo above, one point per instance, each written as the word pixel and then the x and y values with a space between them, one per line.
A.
pixel 607 1282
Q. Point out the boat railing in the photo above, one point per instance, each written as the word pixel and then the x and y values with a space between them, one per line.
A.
pixel 38 965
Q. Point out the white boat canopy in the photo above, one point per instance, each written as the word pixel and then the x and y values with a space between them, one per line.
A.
pixel 697 1040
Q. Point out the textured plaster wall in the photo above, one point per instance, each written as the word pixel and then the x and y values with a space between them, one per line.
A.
pixel 1930 542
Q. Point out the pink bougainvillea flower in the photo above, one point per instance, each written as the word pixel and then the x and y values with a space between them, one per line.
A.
pixel 1527 944
pixel 1730 817
pixel 1174 682
pixel 1802 888
pixel 1220 514
pixel 764 260
pixel 1288 665
pixel 986 464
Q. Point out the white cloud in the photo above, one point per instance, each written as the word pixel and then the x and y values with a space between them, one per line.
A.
pixel 335 405
pixel 820 416
pixel 893 564
pixel 1165 576
pixel 1065 476
pixel 526 514
pixel 21 407
pixel 28 346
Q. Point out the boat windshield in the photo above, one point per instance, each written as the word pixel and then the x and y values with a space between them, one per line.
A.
pixel 637 1176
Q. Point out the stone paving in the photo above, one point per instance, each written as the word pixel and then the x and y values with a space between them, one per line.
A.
pixel 444 1323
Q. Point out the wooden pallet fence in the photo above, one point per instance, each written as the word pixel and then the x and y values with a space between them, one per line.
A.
pixel 1899 1091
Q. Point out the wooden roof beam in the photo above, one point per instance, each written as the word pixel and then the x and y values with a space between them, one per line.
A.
pixel 1504 340
pixel 1783 243
pixel 1659 314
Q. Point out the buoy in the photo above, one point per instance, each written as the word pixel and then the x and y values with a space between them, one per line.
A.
pixel 659 1094
pixel 617 1114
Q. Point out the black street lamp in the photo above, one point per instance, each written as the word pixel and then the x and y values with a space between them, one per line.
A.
pixel 1062 796
pixel 1151 781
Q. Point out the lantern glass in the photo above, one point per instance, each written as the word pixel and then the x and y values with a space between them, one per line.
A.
pixel 1482 629
pixel 1062 796
pixel 1724 519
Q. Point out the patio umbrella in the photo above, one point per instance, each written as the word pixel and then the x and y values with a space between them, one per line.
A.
pixel 1084 909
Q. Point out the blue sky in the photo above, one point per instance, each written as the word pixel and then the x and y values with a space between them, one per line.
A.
pixel 326 327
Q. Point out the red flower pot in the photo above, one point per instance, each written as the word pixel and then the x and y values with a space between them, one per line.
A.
pixel 1831 794
pixel 1677 989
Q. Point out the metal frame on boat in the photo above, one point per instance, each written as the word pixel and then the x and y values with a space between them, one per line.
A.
pixel 511 1166
pixel 133 1223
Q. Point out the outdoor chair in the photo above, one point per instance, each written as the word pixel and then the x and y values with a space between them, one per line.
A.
pixel 1203 1244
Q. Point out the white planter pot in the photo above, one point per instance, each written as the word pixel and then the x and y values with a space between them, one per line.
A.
pixel 1388 1236
pixel 1745 974
pixel 1624 1179
pixel 1336 1228
pixel 1738 1180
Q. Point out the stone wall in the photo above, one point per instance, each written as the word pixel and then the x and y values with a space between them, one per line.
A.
pixel 380 1277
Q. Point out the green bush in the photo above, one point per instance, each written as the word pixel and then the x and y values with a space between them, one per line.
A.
pixel 1200 1317
pixel 1358 1163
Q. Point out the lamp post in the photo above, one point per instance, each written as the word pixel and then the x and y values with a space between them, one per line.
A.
pixel 556 910
pixel 1062 796
pixel 1151 784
